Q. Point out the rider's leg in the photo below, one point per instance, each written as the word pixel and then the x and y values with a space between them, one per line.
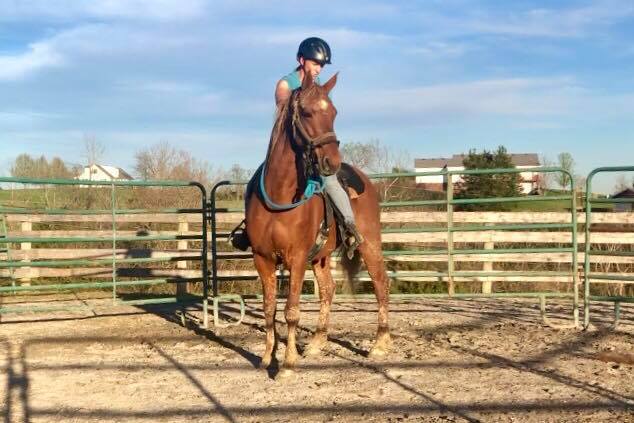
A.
pixel 342 202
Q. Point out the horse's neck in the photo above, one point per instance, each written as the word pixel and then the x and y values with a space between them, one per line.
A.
pixel 281 177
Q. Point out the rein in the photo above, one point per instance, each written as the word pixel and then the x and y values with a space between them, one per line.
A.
pixel 315 184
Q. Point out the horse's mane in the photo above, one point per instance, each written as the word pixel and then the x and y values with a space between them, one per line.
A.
pixel 281 115
pixel 278 126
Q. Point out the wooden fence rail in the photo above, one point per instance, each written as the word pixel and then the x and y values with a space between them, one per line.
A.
pixel 615 234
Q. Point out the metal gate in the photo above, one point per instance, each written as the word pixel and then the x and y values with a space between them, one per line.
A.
pixel 591 276
pixel 449 229
pixel 19 269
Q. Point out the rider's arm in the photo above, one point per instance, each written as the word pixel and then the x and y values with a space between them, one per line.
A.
pixel 282 92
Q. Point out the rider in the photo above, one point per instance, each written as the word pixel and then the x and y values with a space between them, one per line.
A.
pixel 313 54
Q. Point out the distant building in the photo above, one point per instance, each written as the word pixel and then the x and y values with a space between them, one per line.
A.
pixel 624 207
pixel 529 183
pixel 98 172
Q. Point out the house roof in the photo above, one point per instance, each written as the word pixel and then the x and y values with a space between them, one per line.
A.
pixel 628 193
pixel 109 170
pixel 523 159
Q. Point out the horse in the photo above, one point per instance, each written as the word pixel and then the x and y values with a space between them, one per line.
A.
pixel 303 144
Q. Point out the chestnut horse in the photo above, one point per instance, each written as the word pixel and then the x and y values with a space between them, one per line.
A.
pixel 303 144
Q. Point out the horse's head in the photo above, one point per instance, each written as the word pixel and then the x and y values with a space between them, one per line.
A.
pixel 313 124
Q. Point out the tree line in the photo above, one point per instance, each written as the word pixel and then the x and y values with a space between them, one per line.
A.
pixel 163 161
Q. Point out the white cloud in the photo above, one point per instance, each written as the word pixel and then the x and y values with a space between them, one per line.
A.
pixel 291 36
pixel 68 10
pixel 10 119
pixel 96 40
pixel 441 49
pixel 101 39
pixel 496 97
pixel 190 99
pixel 557 23
pixel 160 86
pixel 38 56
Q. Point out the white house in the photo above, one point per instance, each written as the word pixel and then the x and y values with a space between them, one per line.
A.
pixel 530 180
pixel 98 172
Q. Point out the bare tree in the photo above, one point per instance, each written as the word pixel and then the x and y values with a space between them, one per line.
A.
pixel 372 157
pixel 238 173
pixel 162 161
pixel 566 162
pixel 93 150
pixel 546 179
pixel 622 184
pixel 23 167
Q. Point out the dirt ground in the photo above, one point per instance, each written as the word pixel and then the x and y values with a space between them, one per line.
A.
pixel 472 360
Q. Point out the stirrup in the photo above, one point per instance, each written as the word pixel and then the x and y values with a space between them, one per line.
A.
pixel 238 237
pixel 353 239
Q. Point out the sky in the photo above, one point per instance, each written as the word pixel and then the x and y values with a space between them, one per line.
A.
pixel 429 78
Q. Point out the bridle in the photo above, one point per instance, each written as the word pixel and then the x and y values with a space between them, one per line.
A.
pixel 314 182
pixel 310 142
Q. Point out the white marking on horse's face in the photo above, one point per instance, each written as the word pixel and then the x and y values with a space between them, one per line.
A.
pixel 323 105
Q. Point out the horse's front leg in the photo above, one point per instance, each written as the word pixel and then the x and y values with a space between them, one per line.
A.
pixel 266 270
pixel 326 293
pixel 291 312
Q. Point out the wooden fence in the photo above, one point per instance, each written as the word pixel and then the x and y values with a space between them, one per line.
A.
pixel 613 231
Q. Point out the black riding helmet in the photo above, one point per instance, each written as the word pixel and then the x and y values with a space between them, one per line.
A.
pixel 316 49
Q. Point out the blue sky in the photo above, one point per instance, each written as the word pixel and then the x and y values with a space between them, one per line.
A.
pixel 432 78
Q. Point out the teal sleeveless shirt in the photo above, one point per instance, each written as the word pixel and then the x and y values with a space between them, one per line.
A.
pixel 293 80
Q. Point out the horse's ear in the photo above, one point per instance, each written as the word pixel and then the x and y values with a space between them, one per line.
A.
pixel 331 83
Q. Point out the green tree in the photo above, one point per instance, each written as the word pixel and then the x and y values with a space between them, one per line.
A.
pixel 489 186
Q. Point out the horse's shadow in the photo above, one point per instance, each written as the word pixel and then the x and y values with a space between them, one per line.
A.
pixel 300 347
pixel 185 315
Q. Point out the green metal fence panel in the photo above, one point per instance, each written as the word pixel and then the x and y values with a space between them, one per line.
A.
pixel 449 203
pixel 589 251
pixel 118 275
pixel 5 249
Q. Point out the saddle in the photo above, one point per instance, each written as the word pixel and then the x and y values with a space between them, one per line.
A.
pixel 349 180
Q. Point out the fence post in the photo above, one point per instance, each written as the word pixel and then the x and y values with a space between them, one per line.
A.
pixel 183 245
pixel 487 284
pixel 26 226
pixel 451 288
pixel 487 266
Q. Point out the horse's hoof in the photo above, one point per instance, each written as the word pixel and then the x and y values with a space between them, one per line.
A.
pixel 264 364
pixel 377 353
pixel 286 373
pixel 315 347
pixel 312 351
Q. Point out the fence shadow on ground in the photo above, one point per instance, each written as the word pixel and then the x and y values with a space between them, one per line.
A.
pixel 20 368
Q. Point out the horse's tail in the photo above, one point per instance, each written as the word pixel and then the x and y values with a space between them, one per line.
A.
pixel 351 267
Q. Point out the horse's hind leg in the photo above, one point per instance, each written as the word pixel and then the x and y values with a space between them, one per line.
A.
pixel 373 258
pixel 326 292
pixel 266 270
